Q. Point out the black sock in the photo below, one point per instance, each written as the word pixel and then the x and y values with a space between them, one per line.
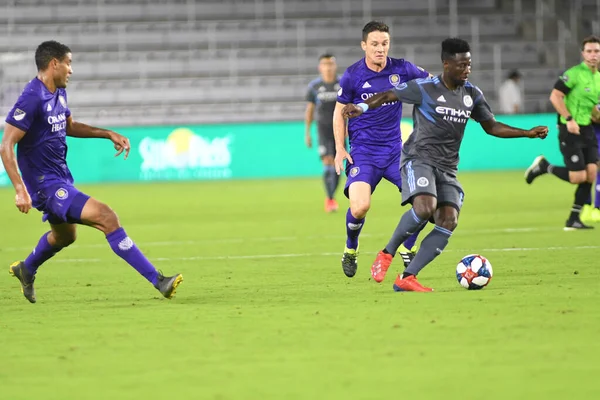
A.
pixel 385 251
pixel 406 274
pixel 582 193
pixel 561 173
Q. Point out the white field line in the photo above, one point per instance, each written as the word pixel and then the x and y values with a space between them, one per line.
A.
pixel 143 245
pixel 337 254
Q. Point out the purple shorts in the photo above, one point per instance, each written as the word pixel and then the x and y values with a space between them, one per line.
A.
pixel 60 203
pixel 365 170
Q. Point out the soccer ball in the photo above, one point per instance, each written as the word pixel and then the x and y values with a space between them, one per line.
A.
pixel 474 272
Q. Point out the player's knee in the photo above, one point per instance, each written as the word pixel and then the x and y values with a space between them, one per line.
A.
pixel 107 219
pixel 328 161
pixel 424 207
pixel 449 222
pixel 359 208
pixel 577 178
pixel 65 239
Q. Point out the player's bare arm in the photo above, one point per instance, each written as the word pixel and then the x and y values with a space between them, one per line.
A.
pixel 498 129
pixel 308 119
pixel 12 136
pixel 354 110
pixel 339 133
pixel 79 130
pixel 557 98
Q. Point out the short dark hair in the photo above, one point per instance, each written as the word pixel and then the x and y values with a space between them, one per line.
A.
pixel 453 46
pixel 49 50
pixel 326 55
pixel 589 39
pixel 374 26
pixel 514 74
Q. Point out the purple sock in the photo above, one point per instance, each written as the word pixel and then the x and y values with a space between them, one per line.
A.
pixel 597 199
pixel 353 228
pixel 42 253
pixel 124 247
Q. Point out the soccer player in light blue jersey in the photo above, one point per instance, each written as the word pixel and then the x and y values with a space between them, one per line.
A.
pixel 38 125
pixel 375 139
pixel 443 106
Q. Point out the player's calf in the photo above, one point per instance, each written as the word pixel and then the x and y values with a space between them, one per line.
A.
pixel 102 217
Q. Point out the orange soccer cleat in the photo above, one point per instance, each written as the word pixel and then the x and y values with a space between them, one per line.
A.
pixel 380 266
pixel 331 205
pixel 409 284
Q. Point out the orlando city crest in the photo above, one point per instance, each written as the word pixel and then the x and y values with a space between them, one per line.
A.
pixel 394 79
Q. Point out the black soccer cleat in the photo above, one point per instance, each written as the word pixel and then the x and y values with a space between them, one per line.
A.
pixel 537 168
pixel 19 271
pixel 407 254
pixel 167 285
pixel 350 262
pixel 575 225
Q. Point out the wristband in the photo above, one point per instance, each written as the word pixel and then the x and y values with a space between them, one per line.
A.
pixel 569 118
pixel 363 106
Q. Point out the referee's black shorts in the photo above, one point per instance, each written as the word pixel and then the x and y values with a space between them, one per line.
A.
pixel 578 150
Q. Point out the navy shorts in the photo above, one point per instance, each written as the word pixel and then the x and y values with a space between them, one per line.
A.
pixel 60 203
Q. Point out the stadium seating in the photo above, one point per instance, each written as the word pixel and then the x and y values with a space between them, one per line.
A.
pixel 152 61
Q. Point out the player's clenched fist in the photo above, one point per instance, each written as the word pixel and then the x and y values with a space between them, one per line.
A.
pixel 538 132
pixel 351 111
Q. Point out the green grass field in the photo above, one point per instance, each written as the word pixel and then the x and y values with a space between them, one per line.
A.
pixel 265 311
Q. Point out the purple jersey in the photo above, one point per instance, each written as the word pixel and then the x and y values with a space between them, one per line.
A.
pixel 376 133
pixel 42 152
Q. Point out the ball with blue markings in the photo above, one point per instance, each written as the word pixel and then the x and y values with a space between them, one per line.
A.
pixel 474 272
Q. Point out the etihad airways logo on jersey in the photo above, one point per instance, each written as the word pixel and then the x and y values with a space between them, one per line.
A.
pixel 58 122
pixel 366 96
pixel 327 96
pixel 453 115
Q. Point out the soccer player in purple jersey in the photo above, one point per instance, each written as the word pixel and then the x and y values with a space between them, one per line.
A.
pixel 38 125
pixel 375 139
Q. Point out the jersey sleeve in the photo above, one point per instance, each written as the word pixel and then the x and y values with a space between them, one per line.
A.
pixel 24 111
pixel 409 92
pixel 346 93
pixel 565 82
pixel 414 71
pixel 481 109
pixel 310 95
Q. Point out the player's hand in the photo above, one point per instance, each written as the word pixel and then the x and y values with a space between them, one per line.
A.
pixel 340 156
pixel 308 140
pixel 23 200
pixel 538 132
pixel 351 111
pixel 121 144
pixel 572 127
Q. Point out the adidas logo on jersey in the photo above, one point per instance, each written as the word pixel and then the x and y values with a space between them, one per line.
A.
pixel 48 107
pixel 441 99
pixel 366 85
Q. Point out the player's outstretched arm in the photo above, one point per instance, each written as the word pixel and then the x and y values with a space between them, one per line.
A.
pixel 79 130
pixel 12 136
pixel 498 129
pixel 354 110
